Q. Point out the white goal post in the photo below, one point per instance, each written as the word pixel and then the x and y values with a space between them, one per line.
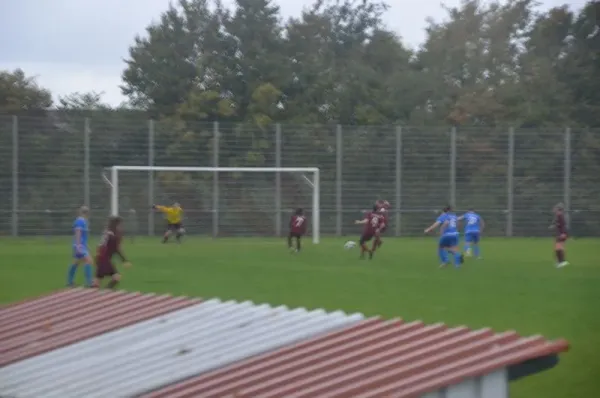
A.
pixel 113 182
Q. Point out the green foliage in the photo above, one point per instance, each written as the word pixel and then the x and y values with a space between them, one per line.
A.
pixel 485 67
pixel 265 104
pixel 494 64
pixel 19 93
pixel 162 67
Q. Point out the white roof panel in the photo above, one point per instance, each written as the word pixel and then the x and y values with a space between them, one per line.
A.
pixel 160 351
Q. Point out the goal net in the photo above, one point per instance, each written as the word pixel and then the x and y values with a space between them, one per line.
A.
pixel 217 201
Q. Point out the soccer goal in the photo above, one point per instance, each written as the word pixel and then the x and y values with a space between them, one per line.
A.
pixel 218 201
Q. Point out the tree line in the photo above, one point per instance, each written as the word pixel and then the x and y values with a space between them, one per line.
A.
pixel 484 68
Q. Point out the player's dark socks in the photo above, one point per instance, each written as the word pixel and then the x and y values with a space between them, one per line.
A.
pixel 298 245
pixel 112 284
pixel 560 255
pixel 363 249
pixel 374 246
pixel 371 255
pixel 165 239
pixel 289 242
pixel 178 238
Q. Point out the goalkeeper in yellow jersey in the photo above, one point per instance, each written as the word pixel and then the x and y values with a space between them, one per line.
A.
pixel 173 214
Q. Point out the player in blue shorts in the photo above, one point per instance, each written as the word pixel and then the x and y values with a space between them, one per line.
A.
pixel 473 228
pixel 449 237
pixel 81 253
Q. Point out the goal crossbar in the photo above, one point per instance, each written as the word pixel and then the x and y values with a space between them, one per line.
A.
pixel 113 182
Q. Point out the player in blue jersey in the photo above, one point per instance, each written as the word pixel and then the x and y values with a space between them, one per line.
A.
pixel 473 228
pixel 81 255
pixel 449 236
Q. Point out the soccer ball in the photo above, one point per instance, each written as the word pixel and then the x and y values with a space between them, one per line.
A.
pixel 349 245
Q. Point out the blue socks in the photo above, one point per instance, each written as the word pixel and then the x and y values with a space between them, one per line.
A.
pixel 475 248
pixel 444 258
pixel 457 259
pixel 87 271
pixel 71 274
pixel 443 255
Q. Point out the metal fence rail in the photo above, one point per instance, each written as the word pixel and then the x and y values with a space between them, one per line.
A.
pixel 53 163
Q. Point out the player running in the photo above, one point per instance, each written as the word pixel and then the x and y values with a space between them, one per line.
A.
pixel 109 245
pixel 560 226
pixel 449 235
pixel 173 215
pixel 297 229
pixel 372 229
pixel 473 228
pixel 80 248
pixel 382 209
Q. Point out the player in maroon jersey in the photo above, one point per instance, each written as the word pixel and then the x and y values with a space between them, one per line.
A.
pixel 382 209
pixel 110 245
pixel 372 229
pixel 297 229
pixel 560 226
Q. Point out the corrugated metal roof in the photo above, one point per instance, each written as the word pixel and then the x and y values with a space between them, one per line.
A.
pixel 162 350
pixel 37 326
pixel 371 359
pixel 29 300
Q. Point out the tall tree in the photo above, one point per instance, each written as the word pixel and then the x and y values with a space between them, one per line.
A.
pixel 471 60
pixel 583 71
pixel 163 65
pixel 20 93
pixel 252 53
pixel 87 101
pixel 337 59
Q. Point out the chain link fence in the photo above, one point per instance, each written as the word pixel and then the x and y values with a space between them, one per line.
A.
pixel 54 162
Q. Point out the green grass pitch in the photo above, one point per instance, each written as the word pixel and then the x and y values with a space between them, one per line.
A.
pixel 515 286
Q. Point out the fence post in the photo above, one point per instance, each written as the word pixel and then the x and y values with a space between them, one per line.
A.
pixel 86 163
pixel 509 182
pixel 339 159
pixel 567 175
pixel 215 218
pixel 15 176
pixel 398 199
pixel 453 167
pixel 278 180
pixel 151 199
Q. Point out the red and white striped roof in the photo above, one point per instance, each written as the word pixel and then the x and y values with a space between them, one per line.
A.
pixel 162 346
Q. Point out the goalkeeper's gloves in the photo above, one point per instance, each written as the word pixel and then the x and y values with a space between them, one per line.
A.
pixel 153 207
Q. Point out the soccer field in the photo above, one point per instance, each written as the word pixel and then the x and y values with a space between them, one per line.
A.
pixel 515 286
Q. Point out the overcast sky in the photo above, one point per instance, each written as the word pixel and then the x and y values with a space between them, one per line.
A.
pixel 78 45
